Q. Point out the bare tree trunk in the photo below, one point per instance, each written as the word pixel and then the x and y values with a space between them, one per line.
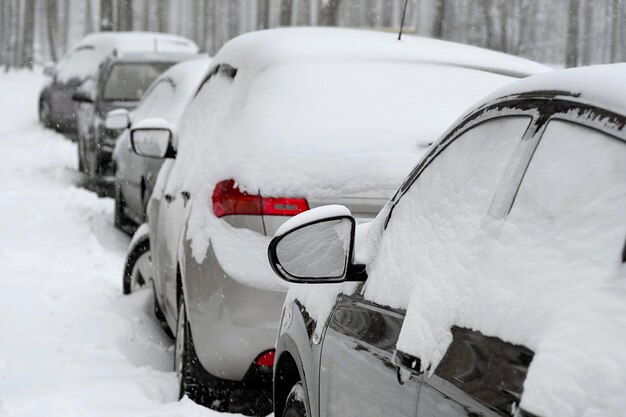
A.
pixel 438 18
pixel 587 41
pixel 28 34
pixel 89 17
pixel 329 15
pixel 286 7
pixel 571 55
pixel 13 27
pixel 52 23
pixel 504 20
pixel 106 15
pixel 124 15
pixel 615 39
pixel 209 24
pixel 3 33
pixel 263 20
pixel 65 28
pixel 163 14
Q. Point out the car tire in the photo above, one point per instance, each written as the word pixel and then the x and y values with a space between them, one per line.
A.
pixel 121 221
pixel 137 266
pixel 193 379
pixel 44 113
pixel 294 405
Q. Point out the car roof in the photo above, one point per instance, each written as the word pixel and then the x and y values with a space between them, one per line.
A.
pixel 256 51
pixel 603 86
pixel 138 41
pixel 152 57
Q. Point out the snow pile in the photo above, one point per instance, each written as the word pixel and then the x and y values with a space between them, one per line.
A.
pixel 71 344
pixel 549 276
pixel 296 121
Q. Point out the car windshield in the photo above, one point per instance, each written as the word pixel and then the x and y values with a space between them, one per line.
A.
pixel 128 82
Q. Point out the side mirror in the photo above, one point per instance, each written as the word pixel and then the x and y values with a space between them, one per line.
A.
pixel 316 247
pixel 153 138
pixel 50 69
pixel 82 97
pixel 117 119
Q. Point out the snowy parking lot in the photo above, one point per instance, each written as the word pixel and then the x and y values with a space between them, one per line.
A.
pixel 72 344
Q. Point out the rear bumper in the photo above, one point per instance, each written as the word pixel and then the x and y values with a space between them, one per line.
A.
pixel 231 323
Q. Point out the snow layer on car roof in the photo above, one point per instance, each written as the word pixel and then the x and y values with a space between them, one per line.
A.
pixel 601 85
pixel 86 56
pixel 140 41
pixel 259 50
pixel 315 128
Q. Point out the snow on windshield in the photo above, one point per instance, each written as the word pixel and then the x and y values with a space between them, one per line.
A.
pixel 549 276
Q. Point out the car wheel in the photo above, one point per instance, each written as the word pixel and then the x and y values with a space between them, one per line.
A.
pixel 294 406
pixel 122 222
pixel 193 379
pixel 44 113
pixel 138 269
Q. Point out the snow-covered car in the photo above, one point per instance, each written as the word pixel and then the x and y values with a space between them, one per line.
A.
pixel 56 107
pixel 286 120
pixel 119 83
pixel 492 284
pixel 135 175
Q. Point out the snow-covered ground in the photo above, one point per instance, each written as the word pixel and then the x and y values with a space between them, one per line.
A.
pixel 71 344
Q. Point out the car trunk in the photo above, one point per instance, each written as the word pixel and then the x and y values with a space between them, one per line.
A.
pixel 364 207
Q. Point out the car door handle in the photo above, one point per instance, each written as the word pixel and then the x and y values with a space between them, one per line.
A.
pixel 186 196
pixel 169 198
pixel 406 365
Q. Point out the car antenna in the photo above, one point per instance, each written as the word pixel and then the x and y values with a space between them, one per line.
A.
pixel 406 2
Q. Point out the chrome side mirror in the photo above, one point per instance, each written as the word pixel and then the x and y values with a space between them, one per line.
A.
pixel 153 138
pixel 315 247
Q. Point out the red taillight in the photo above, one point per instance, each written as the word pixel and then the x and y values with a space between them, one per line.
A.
pixel 227 200
pixel 284 206
pixel 266 358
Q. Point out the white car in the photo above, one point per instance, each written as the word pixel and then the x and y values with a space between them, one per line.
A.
pixel 286 120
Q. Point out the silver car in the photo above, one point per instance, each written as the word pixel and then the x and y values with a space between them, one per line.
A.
pixel 135 176
pixel 285 120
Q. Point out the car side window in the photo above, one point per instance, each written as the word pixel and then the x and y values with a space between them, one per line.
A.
pixel 442 207
pixel 574 193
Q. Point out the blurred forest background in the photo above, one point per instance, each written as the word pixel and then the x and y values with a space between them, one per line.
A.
pixel 556 32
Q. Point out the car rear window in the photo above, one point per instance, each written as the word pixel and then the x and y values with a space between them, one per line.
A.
pixel 128 82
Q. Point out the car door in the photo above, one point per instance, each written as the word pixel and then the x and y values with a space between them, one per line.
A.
pixel 448 193
pixel 359 375
pixel 172 207
pixel 478 376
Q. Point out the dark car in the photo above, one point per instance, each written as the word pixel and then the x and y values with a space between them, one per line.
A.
pixel 56 108
pixel 135 175
pixel 119 83
pixel 490 285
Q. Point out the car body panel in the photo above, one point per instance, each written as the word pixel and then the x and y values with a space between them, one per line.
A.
pixel 233 321
pixel 479 374
pixel 358 345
